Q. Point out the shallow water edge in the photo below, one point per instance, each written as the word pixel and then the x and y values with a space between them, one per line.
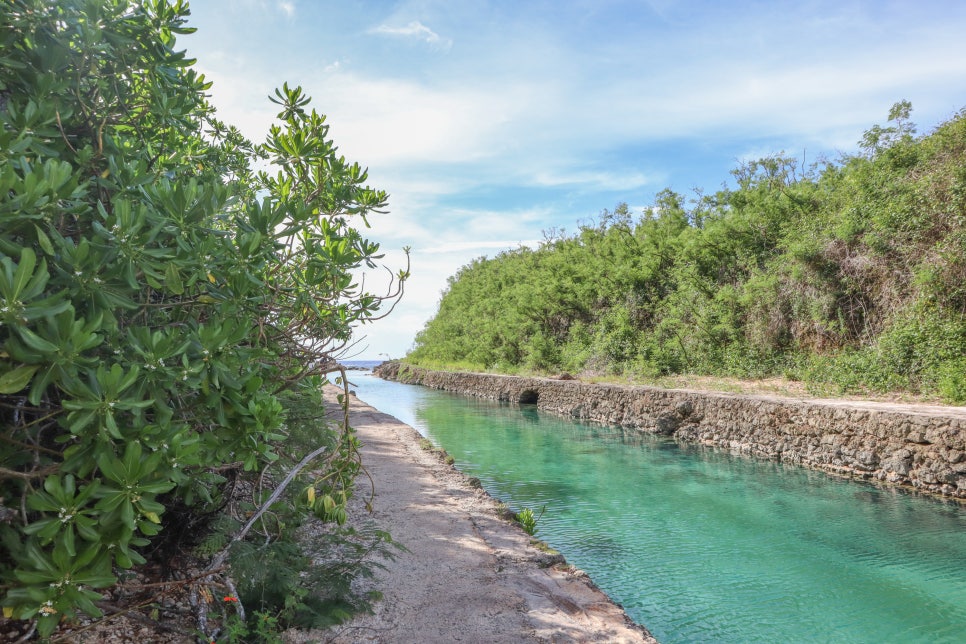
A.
pixel 921 447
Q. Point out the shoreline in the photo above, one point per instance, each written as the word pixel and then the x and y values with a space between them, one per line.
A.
pixel 468 573
pixel 918 447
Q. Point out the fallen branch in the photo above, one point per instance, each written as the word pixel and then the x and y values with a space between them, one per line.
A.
pixel 217 564
pixel 218 561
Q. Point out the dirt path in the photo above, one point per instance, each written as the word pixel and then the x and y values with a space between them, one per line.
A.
pixel 468 575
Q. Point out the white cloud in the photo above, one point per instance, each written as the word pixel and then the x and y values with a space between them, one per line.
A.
pixel 545 111
pixel 286 7
pixel 397 121
pixel 417 30
pixel 464 247
pixel 596 180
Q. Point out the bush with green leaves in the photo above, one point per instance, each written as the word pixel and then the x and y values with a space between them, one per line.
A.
pixel 158 298
pixel 848 273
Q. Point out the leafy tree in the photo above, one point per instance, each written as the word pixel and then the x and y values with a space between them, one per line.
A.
pixel 163 306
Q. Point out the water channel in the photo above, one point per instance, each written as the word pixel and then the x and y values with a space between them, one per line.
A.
pixel 703 546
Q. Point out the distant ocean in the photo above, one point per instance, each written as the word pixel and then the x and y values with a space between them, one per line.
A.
pixel 361 364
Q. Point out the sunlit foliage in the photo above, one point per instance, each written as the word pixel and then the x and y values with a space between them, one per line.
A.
pixel 162 305
pixel 850 274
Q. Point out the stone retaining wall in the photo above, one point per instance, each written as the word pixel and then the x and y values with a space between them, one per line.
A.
pixel 919 446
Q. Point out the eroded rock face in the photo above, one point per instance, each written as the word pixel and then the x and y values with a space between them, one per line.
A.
pixel 923 447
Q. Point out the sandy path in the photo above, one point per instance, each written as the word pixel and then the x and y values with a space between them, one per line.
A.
pixel 469 576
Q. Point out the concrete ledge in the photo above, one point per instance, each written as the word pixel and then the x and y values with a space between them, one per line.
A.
pixel 918 446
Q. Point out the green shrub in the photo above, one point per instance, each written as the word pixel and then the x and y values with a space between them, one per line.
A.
pixel 849 274
pixel 158 299
pixel 950 381
pixel 528 520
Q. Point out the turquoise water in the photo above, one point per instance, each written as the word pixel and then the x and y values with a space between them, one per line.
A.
pixel 702 546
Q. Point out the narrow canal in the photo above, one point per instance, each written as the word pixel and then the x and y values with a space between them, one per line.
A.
pixel 703 546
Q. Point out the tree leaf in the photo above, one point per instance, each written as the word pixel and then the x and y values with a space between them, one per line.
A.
pixel 36 342
pixel 172 279
pixel 25 270
pixel 44 241
pixel 15 380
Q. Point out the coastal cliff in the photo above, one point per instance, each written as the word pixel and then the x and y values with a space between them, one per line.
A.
pixel 917 446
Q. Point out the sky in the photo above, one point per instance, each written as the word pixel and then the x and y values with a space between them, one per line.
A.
pixel 490 122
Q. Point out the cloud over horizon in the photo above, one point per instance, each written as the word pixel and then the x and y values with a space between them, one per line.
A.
pixel 489 122
pixel 414 29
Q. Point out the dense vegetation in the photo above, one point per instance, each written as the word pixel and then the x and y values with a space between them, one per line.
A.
pixel 167 315
pixel 849 273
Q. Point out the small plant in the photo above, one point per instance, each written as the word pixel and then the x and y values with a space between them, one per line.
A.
pixel 262 627
pixel 548 557
pixel 504 512
pixel 528 521
pixel 545 548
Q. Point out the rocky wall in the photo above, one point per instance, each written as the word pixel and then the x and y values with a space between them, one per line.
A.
pixel 919 446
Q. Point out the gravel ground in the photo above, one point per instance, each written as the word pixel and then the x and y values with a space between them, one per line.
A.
pixel 469 575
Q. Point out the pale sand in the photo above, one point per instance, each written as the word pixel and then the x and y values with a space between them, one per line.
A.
pixel 469 575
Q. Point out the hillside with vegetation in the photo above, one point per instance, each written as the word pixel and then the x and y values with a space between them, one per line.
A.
pixel 849 275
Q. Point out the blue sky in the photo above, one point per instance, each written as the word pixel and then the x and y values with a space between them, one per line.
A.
pixel 489 122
